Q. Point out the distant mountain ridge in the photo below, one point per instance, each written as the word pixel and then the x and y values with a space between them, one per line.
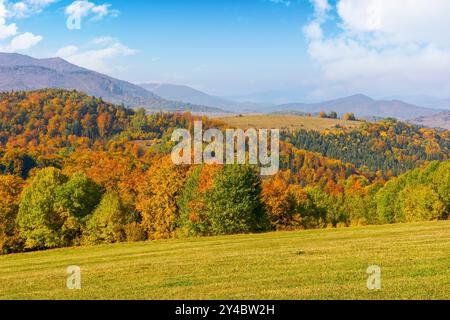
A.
pixel 362 106
pixel 440 120
pixel 187 94
pixel 425 101
pixel 191 95
pixel 20 72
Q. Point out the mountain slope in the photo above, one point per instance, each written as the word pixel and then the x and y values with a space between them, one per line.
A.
pixel 188 94
pixel 363 106
pixel 193 96
pixel 425 101
pixel 19 72
pixel 440 120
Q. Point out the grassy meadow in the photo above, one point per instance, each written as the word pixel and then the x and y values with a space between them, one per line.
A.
pixel 289 122
pixel 317 264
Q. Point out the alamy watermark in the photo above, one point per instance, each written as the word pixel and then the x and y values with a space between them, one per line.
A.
pixel 235 147
pixel 74 278
pixel 374 280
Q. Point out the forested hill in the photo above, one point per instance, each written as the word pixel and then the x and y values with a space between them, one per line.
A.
pixel 44 128
pixel 56 114
pixel 57 118
pixel 75 170
pixel 386 146
pixel 50 119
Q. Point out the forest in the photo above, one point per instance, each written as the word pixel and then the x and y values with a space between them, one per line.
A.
pixel 75 170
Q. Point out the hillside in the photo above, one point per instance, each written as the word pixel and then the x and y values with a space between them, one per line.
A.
pixel 440 120
pixel 289 122
pixel 323 264
pixel 362 106
pixel 109 177
pixel 24 73
pixel 387 145
pixel 190 95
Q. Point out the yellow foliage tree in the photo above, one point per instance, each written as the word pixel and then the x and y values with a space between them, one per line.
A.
pixel 157 198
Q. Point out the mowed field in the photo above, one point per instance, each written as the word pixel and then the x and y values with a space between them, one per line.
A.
pixel 288 122
pixel 320 264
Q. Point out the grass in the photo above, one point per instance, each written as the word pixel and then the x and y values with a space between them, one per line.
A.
pixel 289 122
pixel 319 264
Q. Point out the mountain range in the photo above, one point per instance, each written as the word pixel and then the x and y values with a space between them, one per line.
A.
pixel 425 101
pixel 362 106
pixel 190 95
pixel 20 72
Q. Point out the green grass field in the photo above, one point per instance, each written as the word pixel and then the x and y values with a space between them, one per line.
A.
pixel 288 122
pixel 319 264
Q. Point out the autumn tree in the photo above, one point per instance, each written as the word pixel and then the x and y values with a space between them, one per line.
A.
pixel 38 220
pixel 349 117
pixel 107 223
pixel 10 190
pixel 194 217
pixel 289 206
pixel 157 198
pixel 333 115
pixel 53 207
pixel 421 203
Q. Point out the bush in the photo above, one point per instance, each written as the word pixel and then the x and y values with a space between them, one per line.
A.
pixel 134 232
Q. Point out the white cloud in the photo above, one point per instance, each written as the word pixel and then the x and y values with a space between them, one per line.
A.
pixel 9 32
pixel 402 21
pixel 26 8
pixel 97 55
pixel 22 42
pixel 382 47
pixel 321 7
pixel 6 30
pixel 85 8
pixel 67 51
pixel 287 3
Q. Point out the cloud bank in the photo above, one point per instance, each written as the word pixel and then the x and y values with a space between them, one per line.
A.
pixel 381 47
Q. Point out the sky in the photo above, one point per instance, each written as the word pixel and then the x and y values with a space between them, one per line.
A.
pixel 319 49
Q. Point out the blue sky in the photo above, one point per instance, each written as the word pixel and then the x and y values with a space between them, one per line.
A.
pixel 318 48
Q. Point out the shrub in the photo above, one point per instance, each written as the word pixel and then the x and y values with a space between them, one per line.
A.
pixel 134 232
